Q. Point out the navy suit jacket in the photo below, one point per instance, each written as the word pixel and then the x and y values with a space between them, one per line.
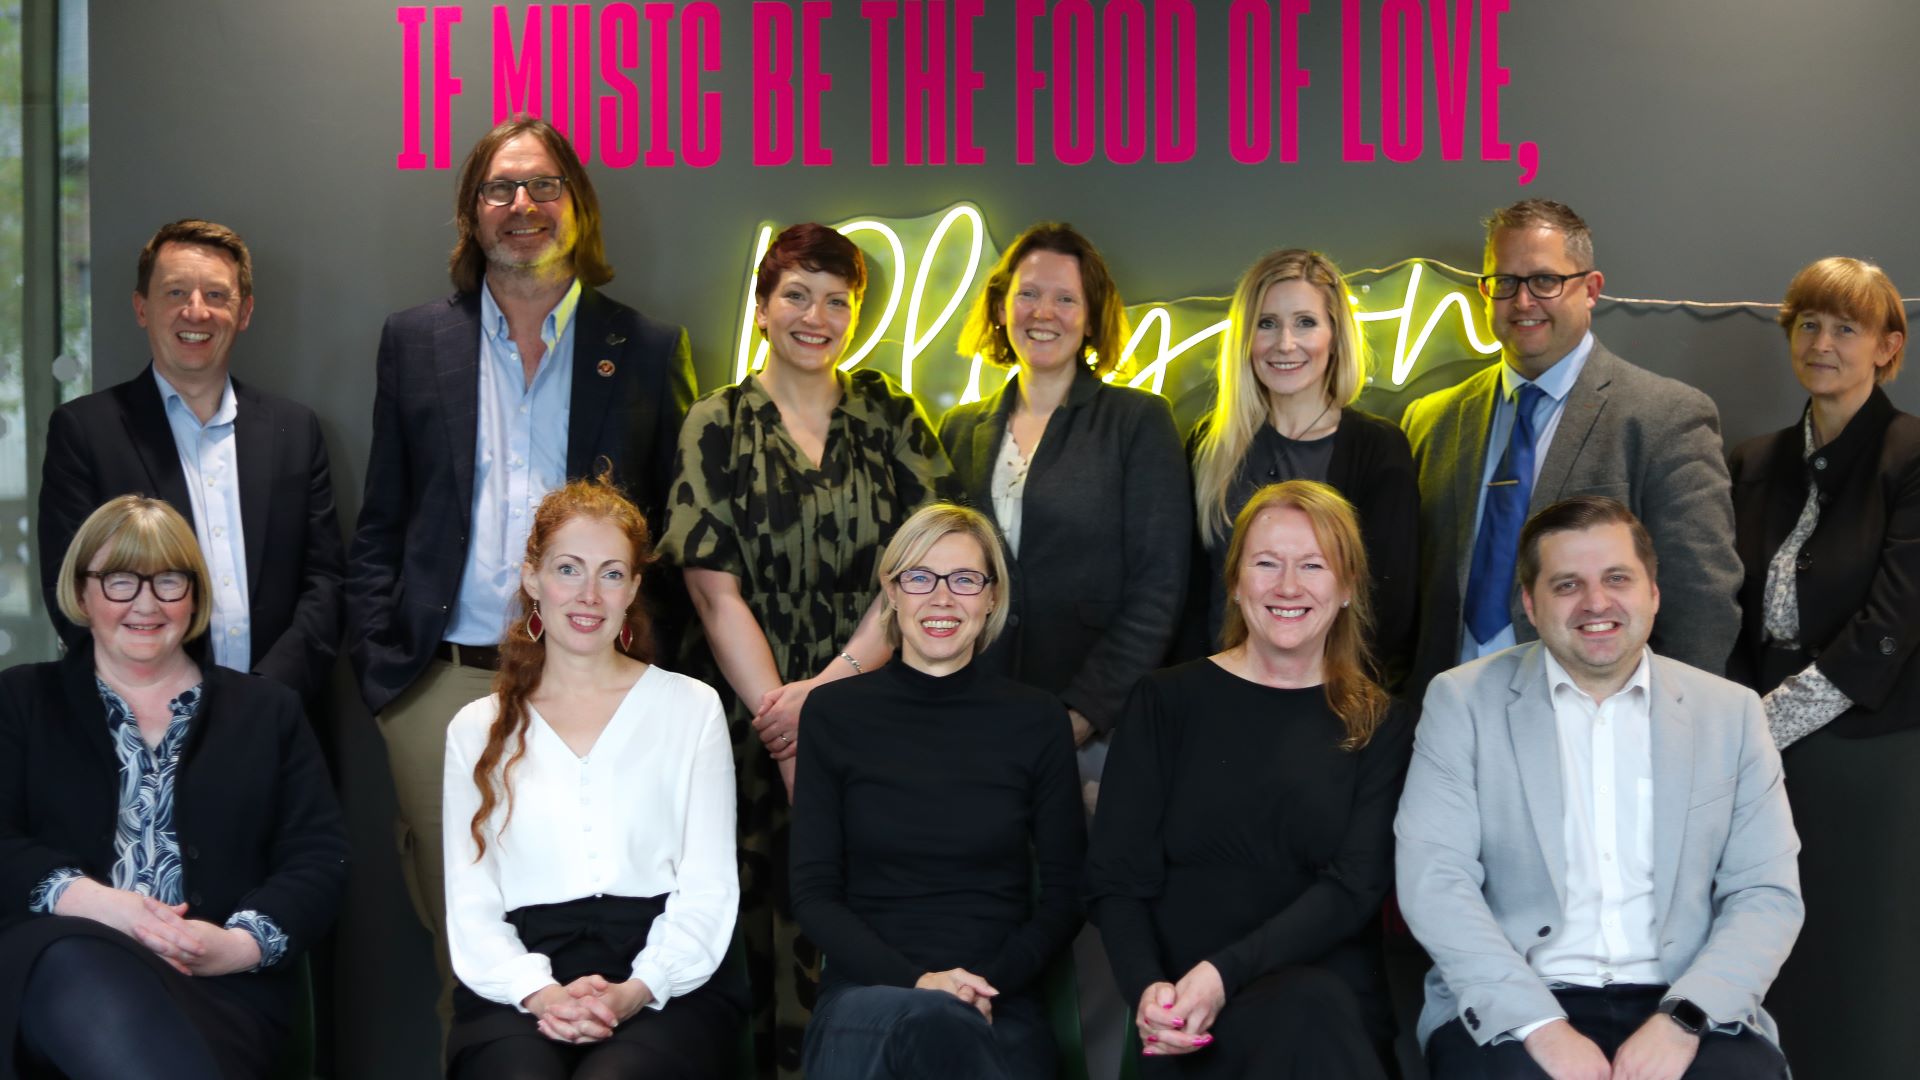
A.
pixel 632 384
pixel 117 442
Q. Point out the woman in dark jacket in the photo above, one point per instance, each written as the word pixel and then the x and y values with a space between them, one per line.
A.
pixel 169 841
pixel 1827 516
pixel 1085 479
pixel 1290 366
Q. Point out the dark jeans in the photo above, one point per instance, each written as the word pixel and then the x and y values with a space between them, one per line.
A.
pixel 891 1033
pixel 1607 1016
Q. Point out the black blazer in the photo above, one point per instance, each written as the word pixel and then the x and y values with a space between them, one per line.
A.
pixel 253 808
pixel 632 383
pixel 1859 573
pixel 1106 528
pixel 117 442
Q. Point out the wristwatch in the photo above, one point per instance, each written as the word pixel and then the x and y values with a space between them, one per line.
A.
pixel 1691 1018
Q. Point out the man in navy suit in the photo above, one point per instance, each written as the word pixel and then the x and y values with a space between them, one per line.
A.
pixel 248 469
pixel 485 400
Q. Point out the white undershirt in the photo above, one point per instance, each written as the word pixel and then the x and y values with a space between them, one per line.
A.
pixel 648 811
pixel 1606 773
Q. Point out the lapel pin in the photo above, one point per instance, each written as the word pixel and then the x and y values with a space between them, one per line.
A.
pixel 605 369
pixel 616 339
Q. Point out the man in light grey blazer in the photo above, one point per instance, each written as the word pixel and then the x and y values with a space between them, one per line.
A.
pixel 1593 425
pixel 1594 842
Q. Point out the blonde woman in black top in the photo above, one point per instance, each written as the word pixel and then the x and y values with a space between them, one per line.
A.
pixel 1244 842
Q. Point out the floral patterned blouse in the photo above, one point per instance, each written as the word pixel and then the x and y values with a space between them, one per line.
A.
pixel 146 850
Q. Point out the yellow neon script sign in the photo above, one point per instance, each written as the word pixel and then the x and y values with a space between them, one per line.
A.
pixel 1417 317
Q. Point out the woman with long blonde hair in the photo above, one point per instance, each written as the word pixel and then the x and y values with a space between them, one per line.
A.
pixel 1292 363
pixel 1244 841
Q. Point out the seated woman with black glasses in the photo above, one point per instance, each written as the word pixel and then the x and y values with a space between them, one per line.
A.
pixel 925 794
pixel 169 840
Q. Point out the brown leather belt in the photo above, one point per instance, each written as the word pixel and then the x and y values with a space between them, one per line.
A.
pixel 475 656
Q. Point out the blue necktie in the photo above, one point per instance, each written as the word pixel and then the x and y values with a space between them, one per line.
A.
pixel 1490 582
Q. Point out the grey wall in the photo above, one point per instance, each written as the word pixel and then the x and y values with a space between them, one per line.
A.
pixel 1715 146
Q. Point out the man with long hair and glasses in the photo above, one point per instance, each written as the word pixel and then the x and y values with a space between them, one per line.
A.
pixel 484 401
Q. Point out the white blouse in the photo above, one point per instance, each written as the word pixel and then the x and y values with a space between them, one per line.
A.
pixel 1009 488
pixel 648 811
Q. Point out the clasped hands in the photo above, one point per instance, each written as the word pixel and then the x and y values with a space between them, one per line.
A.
pixel 189 946
pixel 587 1009
pixel 963 984
pixel 1173 1018
pixel 1659 1050
pixel 778 723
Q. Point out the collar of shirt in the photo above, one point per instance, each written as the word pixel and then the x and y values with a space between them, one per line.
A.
pixel 493 321
pixel 1557 380
pixel 1641 679
pixel 178 411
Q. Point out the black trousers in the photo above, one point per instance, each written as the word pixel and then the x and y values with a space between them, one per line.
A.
pixel 1608 1016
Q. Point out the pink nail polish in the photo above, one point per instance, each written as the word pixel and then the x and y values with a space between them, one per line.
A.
pixel 1202 1040
pixel 1153 1038
pixel 1179 1021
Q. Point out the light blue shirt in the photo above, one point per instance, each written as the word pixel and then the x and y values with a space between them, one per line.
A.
pixel 1557 381
pixel 209 459
pixel 520 454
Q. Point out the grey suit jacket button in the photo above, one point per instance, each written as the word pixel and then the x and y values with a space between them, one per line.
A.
pixel 1887 646
pixel 1820 463
pixel 1803 562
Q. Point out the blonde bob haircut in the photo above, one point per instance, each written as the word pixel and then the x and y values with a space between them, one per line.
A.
pixel 1352 694
pixel 141 535
pixel 927 527
pixel 985 331
pixel 1240 402
pixel 1851 289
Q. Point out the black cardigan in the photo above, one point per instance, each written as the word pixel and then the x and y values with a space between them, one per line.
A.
pixel 1105 530
pixel 1859 573
pixel 257 821
pixel 1372 467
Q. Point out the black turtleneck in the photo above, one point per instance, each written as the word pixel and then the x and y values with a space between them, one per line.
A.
pixel 924 807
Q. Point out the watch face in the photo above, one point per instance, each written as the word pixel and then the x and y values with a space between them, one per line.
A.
pixel 1688 1015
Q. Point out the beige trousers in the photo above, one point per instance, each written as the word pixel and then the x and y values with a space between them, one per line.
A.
pixel 415 729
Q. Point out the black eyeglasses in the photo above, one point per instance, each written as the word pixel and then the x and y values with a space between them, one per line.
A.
pixel 121 586
pixel 959 583
pixel 539 189
pixel 1542 286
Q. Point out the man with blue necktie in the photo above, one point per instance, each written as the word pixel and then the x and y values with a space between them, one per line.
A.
pixel 1560 415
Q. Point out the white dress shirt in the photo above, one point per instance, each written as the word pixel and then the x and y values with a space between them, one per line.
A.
pixel 648 811
pixel 519 454
pixel 1606 779
pixel 209 460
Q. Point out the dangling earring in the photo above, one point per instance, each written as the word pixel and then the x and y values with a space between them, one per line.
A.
pixel 1344 603
pixel 626 637
pixel 534 626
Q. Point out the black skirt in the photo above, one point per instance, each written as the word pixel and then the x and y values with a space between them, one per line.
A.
pixel 1844 1000
pixel 243 1017
pixel 601 936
